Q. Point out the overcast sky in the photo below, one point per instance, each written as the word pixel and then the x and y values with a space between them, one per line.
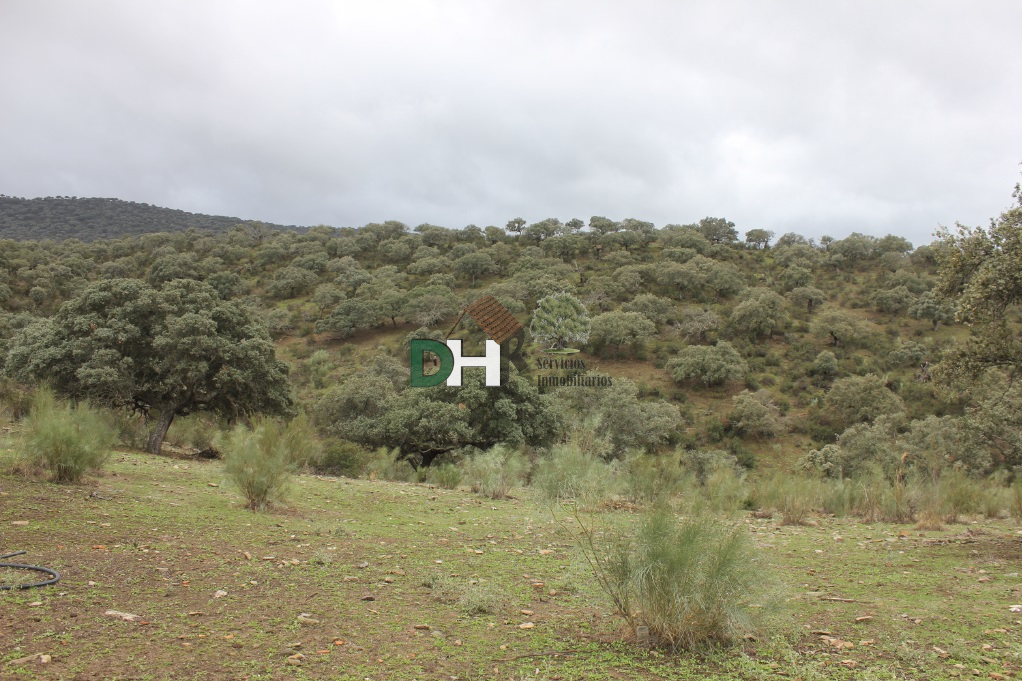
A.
pixel 815 117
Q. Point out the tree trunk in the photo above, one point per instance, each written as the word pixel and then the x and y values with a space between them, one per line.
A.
pixel 160 432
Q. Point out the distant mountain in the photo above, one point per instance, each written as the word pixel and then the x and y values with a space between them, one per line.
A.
pixel 67 217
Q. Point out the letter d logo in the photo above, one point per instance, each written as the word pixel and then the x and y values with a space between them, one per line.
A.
pixel 419 347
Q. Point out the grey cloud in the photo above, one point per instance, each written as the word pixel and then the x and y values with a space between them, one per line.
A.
pixel 812 117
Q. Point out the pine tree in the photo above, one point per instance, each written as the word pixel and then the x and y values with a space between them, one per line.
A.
pixel 560 318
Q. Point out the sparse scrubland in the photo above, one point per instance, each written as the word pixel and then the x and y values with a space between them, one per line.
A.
pixel 780 457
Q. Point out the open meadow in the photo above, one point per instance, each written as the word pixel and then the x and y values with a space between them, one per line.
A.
pixel 360 579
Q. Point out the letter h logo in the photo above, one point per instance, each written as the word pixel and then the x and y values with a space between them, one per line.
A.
pixel 451 362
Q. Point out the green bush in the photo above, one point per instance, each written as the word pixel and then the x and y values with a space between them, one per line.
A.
pixel 692 583
pixel 653 479
pixel 446 475
pixel 66 440
pixel 197 431
pixel 387 464
pixel 261 459
pixel 341 457
pixel 496 472
pixel 572 472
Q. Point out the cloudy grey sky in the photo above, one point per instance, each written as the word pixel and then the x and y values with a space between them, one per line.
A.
pixel 818 117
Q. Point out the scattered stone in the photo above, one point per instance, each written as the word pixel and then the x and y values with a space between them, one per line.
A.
pixel 35 604
pixel 23 660
pixel 196 613
pixel 363 565
pixel 423 627
pixel 388 580
pixel 126 616
pixel 19 522
pixel 212 484
pixel 46 659
pixel 295 659
pixel 306 618
pixel 526 625
pixel 369 597
pixel 527 613
pixel 248 556
pixel 219 593
pixel 864 618
pixel 350 579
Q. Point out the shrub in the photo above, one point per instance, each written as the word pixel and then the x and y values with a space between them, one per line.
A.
pixel 653 479
pixel 574 472
pixel 446 475
pixel 691 583
pixel 712 365
pixel 474 597
pixel 496 472
pixel 341 457
pixel 387 464
pixel 64 439
pixel 260 459
pixel 197 431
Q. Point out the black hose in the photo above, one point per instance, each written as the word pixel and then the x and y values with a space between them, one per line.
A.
pixel 19 566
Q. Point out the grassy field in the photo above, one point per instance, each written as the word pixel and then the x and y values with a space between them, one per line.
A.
pixel 359 579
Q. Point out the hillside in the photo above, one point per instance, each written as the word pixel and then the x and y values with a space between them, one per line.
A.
pixel 88 219
pixel 765 351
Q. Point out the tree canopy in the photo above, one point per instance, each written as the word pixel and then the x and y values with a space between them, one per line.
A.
pixel 174 351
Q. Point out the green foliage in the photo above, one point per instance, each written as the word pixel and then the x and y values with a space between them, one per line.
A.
pixel 340 457
pixel 616 416
pixel 496 472
pixel 560 319
pixel 621 329
pixel 179 350
pixel 387 464
pixel 981 271
pixel 858 399
pixel 761 313
pixel 825 364
pixel 933 308
pixel 446 475
pixel 711 365
pixel 571 472
pixel 756 414
pixel 67 440
pixel 693 583
pixel 259 460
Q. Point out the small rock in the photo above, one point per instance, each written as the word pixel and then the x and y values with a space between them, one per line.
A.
pixel 388 580
pixel 45 659
pixel 305 618
pixel 219 593
pixel 295 659
pixel 363 565
pixel 35 604
pixel 19 522
pixel 526 625
pixel 212 484
pixel 423 627
pixel 369 597
pixel 1015 608
pixel 864 618
pixel 350 579
pixel 527 613
pixel 126 616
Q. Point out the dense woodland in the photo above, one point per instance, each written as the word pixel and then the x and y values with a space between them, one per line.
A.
pixel 771 352
pixel 86 219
